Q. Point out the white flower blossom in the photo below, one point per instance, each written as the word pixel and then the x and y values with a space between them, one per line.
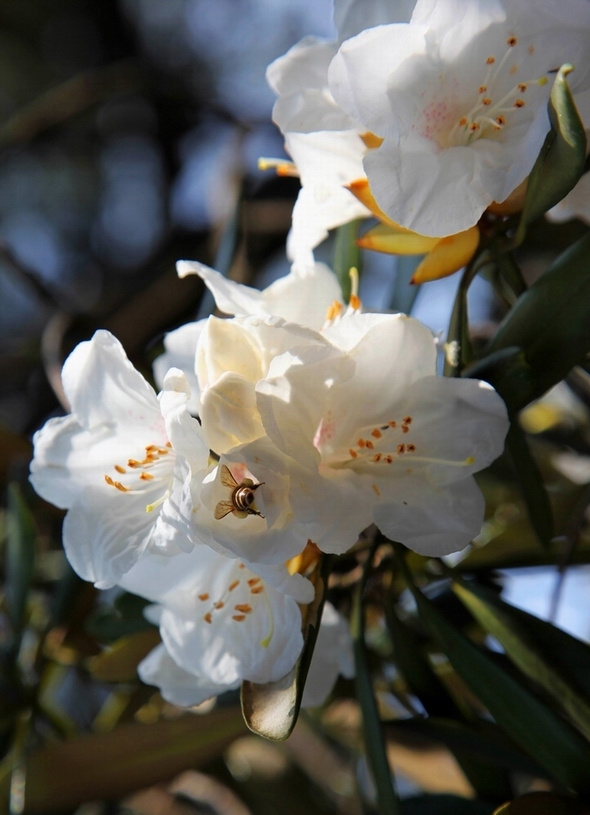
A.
pixel 326 143
pixel 458 96
pixel 395 443
pixel 115 464
pixel 220 622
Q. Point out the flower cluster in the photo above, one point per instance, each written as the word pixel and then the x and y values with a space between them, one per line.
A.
pixel 287 428
pixel 276 431
pixel 424 116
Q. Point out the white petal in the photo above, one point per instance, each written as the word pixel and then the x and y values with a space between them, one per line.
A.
pixel 177 686
pixel 230 297
pixel 432 520
pixel 180 348
pixel 353 16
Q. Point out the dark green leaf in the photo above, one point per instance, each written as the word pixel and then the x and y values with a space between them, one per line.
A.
pixel 416 669
pixel 375 747
pixel 551 322
pixel 543 803
pixel 531 724
pixel 484 742
pixel 558 662
pixel 271 710
pixel 509 373
pixel 561 160
pixel 531 484
pixel 20 556
pixel 347 255
pixel 108 624
pixel 444 805
pixel 458 350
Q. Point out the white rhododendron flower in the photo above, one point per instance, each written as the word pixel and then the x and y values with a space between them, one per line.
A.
pixel 220 621
pixel 400 442
pixel 180 347
pixel 458 96
pixel 327 144
pixel 302 296
pixel 121 463
pixel 576 203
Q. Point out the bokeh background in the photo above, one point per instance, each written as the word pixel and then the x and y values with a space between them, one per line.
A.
pixel 129 137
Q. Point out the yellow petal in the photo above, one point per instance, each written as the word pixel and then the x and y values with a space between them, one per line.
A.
pixel 362 192
pixel 448 256
pixel 396 241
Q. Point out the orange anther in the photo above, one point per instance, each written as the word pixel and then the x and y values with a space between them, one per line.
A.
pixel 120 469
pixel 168 444
pixel 245 608
pixel 520 103
pixel 361 443
pixel 150 448
pixel 207 617
pixel 411 448
pixel 233 585
pixel 146 477
pixel 353 453
pixel 355 302
pixel 392 424
pixel 405 428
pixel 219 604
pixel 120 486
pixel 522 87
pixel 490 60
pixel 401 449
pixel 473 127
pixel 369 444
pixel 203 597
pixel 376 458
pixel 482 88
pixel 486 101
pixel 239 617
pixel 256 589
pixel 388 459
pixel 376 433
pixel 133 463
pixel 407 420
pixel 376 489
pixel 254 580
pixel 462 121
pixel 109 481
pixel 511 41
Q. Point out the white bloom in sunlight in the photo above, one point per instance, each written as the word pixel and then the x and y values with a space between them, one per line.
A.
pixel 121 463
pixel 459 97
pixel 220 621
pixel 396 444
pixel 576 204
pixel 302 296
pixel 326 144
pixel 180 347
pixel 332 656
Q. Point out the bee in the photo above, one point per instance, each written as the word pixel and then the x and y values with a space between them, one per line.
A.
pixel 242 497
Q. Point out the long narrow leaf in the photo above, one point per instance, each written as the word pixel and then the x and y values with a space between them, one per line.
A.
pixel 531 724
pixel 550 657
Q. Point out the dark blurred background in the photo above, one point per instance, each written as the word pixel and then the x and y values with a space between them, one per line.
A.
pixel 129 135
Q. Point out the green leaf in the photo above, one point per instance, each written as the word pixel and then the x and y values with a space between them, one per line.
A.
pixel 531 484
pixel 20 557
pixel 416 669
pixel 112 765
pixel 551 322
pixel 347 255
pixel 375 747
pixel 458 350
pixel 556 661
pixel 561 161
pixel 531 724
pixel 271 710
pixel 444 805
pixel 509 373
pixel 124 618
pixel 484 742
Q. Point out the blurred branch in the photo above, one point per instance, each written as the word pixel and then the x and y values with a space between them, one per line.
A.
pixel 51 353
pixel 68 99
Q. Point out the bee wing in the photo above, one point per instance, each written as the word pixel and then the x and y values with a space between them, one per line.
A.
pixel 222 509
pixel 227 478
